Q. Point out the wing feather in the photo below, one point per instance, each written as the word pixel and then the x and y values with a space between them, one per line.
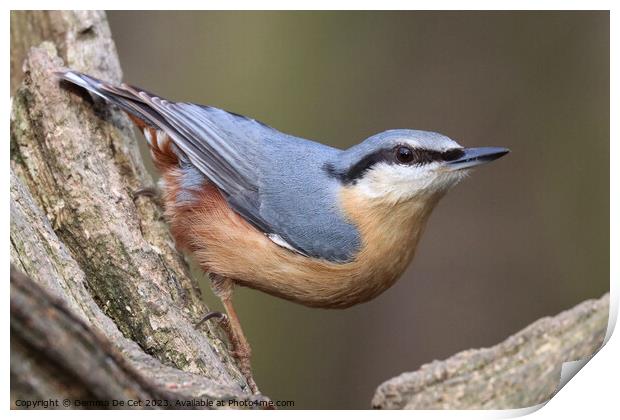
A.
pixel 194 129
pixel 242 157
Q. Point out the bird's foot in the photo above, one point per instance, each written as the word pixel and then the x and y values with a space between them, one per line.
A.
pixel 240 349
pixel 213 314
pixel 243 353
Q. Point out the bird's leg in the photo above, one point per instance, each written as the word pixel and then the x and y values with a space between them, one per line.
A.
pixel 223 289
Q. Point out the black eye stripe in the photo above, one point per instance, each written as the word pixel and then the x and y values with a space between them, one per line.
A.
pixel 423 156
pixel 452 154
pixel 419 157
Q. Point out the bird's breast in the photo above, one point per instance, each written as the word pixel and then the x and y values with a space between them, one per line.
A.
pixel 225 243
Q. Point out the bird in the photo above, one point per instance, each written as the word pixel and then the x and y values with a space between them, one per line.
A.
pixel 303 221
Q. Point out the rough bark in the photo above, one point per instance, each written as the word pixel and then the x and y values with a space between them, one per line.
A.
pixel 82 38
pixel 522 371
pixel 75 229
pixel 60 356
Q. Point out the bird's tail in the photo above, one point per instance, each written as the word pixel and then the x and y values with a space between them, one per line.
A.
pixel 91 84
pixel 134 102
pixel 127 97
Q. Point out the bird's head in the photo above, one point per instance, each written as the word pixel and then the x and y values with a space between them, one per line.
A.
pixel 403 165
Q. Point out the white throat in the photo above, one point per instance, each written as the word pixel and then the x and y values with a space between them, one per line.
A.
pixel 396 183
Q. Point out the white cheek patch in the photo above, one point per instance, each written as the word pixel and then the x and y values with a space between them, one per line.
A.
pixel 396 183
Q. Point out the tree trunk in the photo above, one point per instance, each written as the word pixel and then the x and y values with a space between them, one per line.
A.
pixel 117 309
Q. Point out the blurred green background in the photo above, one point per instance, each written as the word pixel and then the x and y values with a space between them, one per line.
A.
pixel 525 237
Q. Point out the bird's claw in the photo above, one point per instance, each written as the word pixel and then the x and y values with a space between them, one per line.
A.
pixel 240 351
pixel 210 315
pixel 145 192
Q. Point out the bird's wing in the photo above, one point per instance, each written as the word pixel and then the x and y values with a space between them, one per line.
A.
pixel 198 131
pixel 244 159
pixel 221 145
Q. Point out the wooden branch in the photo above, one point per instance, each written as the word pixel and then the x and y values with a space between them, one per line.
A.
pixel 46 337
pixel 58 355
pixel 82 38
pixel 75 229
pixel 522 371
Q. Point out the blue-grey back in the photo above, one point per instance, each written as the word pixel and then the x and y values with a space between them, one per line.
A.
pixel 300 200
pixel 295 198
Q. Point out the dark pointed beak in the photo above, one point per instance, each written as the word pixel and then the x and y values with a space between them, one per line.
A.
pixel 476 156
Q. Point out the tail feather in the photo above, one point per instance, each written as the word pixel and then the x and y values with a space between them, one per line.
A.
pixel 214 141
pixel 125 96
pixel 128 98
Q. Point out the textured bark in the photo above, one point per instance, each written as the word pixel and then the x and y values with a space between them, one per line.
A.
pixel 58 355
pixel 75 229
pixel 82 38
pixel 520 372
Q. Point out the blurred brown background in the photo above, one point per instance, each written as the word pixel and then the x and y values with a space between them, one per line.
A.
pixel 525 237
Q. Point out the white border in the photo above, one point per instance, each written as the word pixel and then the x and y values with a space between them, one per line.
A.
pixel 592 393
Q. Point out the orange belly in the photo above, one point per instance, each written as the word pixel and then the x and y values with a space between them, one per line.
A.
pixel 224 243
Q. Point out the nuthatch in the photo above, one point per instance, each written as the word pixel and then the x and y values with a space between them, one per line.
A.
pixel 293 218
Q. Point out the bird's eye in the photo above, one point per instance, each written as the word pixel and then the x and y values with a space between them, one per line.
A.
pixel 404 154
